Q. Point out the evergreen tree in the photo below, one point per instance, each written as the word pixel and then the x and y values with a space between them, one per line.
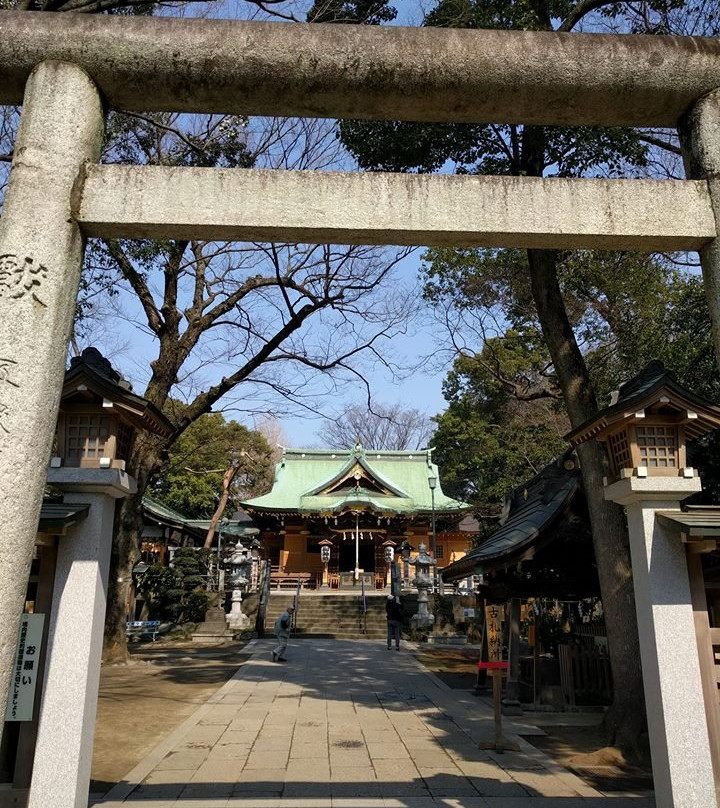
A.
pixel 191 480
pixel 540 151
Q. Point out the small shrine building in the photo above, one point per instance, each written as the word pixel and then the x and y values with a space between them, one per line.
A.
pixel 358 502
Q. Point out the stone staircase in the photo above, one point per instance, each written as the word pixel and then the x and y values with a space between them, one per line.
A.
pixel 336 616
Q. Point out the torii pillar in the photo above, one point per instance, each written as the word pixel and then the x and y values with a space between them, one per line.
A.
pixel 41 251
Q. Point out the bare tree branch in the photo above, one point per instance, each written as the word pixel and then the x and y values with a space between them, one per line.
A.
pixel 662 144
pixel 138 284
pixel 581 10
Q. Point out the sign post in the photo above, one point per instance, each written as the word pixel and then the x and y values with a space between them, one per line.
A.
pixel 495 666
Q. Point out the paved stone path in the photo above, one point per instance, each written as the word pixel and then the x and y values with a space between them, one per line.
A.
pixel 347 724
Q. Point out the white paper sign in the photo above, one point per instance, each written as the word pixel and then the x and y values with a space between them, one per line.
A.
pixel 25 669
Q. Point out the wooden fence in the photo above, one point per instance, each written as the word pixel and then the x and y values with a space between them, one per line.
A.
pixel 585 676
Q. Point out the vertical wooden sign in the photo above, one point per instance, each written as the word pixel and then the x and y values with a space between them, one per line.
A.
pixel 494 615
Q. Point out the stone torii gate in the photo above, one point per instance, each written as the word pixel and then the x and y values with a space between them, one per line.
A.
pixel 65 69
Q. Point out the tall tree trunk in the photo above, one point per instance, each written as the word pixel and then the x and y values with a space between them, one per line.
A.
pixel 228 478
pixel 626 718
pixel 143 463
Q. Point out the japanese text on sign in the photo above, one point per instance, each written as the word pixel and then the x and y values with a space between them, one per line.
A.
pixel 493 625
pixel 25 670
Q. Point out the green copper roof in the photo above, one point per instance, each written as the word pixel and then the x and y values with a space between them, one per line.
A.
pixel 56 517
pixel 173 518
pixel 330 482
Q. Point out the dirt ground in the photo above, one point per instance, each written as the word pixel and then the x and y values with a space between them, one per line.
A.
pixel 163 684
pixel 576 746
pixel 141 702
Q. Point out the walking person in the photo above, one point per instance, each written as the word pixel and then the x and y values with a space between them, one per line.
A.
pixel 394 622
pixel 282 628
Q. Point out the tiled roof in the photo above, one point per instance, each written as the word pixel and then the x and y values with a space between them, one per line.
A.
pixel 648 389
pixel 327 481
pixel 533 508
pixel 93 370
pixel 695 522
pixel 57 516
pixel 168 516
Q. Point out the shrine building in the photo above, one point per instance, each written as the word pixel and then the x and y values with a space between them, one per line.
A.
pixel 359 503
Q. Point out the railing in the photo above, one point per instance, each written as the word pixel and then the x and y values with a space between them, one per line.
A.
pixel 296 604
pixel 363 607
pixel 286 580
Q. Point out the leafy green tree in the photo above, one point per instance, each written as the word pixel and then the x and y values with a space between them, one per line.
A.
pixel 191 480
pixel 503 421
pixel 489 440
pixel 666 318
pixel 537 151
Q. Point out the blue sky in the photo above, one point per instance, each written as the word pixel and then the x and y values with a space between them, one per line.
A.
pixel 122 337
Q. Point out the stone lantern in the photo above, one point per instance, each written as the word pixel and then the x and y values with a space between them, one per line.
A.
pixel 325 550
pixel 646 428
pixel 423 582
pixel 240 563
pixel 99 415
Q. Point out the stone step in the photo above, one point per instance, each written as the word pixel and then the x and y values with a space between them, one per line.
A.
pixel 353 607
pixel 338 616
pixel 290 596
pixel 341 636
pixel 301 615
pixel 341 612
pixel 331 627
pixel 304 617
pixel 329 630
pixel 330 611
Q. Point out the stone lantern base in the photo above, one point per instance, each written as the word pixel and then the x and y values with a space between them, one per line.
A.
pixel 422 621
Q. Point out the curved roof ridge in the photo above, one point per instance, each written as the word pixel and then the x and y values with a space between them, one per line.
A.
pixel 334 453
pixel 361 461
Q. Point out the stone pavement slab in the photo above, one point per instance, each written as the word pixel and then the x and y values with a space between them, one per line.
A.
pixel 339 727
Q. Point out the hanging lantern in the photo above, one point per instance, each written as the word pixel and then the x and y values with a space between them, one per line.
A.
pixel 389 550
pixel 325 550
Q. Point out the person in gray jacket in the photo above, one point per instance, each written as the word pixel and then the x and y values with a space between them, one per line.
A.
pixel 282 628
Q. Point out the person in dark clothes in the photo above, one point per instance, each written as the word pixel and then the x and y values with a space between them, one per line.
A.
pixel 282 629
pixel 394 622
